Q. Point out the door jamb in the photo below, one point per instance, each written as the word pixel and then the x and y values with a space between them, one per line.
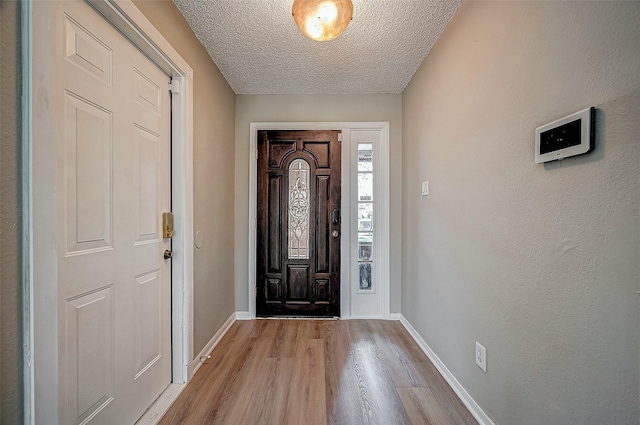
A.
pixel 345 260
pixel 39 254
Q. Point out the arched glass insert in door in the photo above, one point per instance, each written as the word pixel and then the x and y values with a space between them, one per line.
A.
pixel 299 210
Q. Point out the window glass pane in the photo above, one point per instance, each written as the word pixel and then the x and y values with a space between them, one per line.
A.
pixel 365 283
pixel 365 246
pixel 365 156
pixel 299 210
pixel 365 217
pixel 365 186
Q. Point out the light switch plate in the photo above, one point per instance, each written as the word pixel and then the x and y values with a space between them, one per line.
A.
pixel 481 357
pixel 425 188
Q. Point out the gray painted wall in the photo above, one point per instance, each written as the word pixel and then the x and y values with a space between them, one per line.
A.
pixel 10 225
pixel 312 108
pixel 537 262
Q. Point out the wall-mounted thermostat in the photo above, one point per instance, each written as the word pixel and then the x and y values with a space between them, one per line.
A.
pixel 568 136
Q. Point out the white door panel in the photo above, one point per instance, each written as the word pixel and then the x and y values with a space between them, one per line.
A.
pixel 148 308
pixel 146 181
pixel 113 184
pixel 87 51
pixel 89 354
pixel 89 200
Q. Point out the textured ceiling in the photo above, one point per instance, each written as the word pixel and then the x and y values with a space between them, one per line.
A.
pixel 259 49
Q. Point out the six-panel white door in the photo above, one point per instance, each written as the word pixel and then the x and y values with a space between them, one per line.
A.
pixel 113 184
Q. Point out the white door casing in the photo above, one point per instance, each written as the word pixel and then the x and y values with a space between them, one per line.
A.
pixel 82 303
pixel 348 263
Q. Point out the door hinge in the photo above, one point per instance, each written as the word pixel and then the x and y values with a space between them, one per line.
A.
pixel 257 153
pixel 339 137
pixel 174 86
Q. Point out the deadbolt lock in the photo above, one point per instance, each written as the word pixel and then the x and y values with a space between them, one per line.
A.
pixel 167 225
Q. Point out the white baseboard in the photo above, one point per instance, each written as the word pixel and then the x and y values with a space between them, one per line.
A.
pixel 243 315
pixel 474 408
pixel 365 317
pixel 395 316
pixel 195 364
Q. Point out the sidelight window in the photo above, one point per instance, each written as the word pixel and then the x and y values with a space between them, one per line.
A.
pixel 365 216
pixel 299 210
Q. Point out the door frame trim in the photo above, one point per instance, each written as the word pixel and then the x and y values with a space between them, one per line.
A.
pixel 39 233
pixel 345 245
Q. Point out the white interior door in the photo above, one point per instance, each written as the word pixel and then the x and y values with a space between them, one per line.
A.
pixel 113 183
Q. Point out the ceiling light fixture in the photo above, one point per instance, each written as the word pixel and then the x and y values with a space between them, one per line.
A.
pixel 322 20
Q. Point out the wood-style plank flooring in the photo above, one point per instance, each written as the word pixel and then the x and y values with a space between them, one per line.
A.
pixel 307 372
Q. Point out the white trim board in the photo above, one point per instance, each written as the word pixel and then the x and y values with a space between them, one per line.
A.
pixel 465 397
pixel 39 256
pixel 243 315
pixel 345 261
pixel 202 356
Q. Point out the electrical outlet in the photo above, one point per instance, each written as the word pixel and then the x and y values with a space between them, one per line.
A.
pixel 481 357
pixel 425 188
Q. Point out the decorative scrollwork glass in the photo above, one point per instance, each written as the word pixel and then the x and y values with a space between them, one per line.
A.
pixel 299 204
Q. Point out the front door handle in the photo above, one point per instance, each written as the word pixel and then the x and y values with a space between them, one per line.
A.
pixel 168 254
pixel 335 216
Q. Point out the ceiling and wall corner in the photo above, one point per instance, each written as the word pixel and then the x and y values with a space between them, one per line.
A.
pixel 538 263
pixel 259 49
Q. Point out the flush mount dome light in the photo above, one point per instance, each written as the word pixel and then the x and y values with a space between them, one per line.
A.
pixel 322 20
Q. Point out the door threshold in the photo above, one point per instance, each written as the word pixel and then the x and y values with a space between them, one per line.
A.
pixel 157 410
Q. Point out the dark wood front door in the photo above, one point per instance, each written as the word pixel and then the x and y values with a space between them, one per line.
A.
pixel 298 250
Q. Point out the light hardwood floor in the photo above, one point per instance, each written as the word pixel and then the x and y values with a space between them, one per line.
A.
pixel 307 372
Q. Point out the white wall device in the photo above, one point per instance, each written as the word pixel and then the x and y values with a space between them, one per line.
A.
pixel 568 136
